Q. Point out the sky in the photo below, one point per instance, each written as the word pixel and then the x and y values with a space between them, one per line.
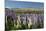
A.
pixel 23 4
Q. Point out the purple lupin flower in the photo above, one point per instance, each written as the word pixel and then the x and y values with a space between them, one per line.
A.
pixel 9 12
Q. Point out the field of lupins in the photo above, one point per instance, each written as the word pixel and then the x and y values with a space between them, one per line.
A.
pixel 14 21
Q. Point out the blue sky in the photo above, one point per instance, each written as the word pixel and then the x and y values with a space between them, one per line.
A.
pixel 21 4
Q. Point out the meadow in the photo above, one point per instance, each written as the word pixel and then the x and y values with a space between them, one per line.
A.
pixel 21 19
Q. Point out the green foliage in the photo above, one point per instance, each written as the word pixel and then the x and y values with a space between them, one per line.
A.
pixel 13 26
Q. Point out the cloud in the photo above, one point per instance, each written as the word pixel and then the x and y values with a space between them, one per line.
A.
pixel 8 7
